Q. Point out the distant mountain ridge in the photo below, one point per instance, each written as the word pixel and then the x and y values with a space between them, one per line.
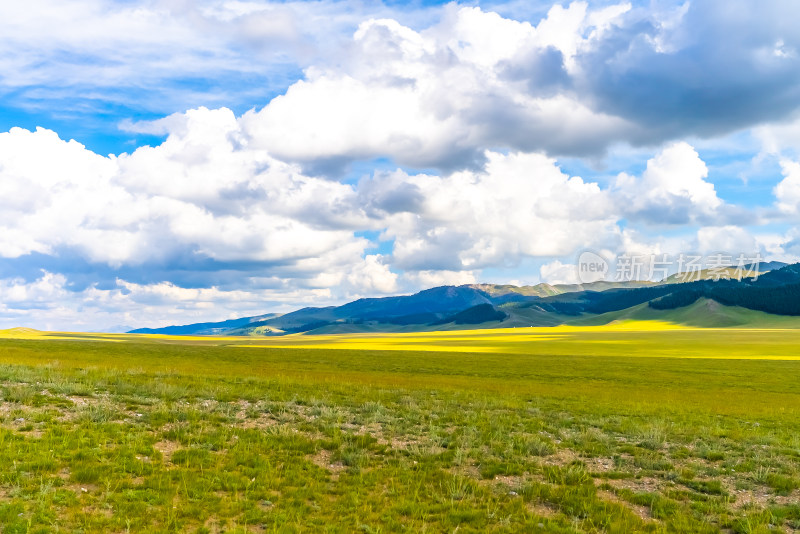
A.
pixel 495 305
pixel 201 328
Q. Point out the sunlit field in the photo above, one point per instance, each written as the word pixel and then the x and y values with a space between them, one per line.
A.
pixel 633 427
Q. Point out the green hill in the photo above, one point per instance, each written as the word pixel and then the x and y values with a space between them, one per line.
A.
pixel 703 313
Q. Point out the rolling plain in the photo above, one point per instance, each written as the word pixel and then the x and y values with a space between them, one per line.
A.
pixel 637 426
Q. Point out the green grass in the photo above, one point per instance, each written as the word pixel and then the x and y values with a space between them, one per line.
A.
pixel 703 313
pixel 639 428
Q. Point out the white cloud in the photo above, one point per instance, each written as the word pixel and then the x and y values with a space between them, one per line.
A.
pixel 521 205
pixel 437 97
pixel 199 191
pixel 782 247
pixel 726 239
pixel 556 272
pixel 672 190
pixel 107 47
pixel 162 213
pixel 678 171
pixel 48 303
pixel 38 169
pixel 572 82
pixel 635 243
pixel 48 288
pixel 201 210
pixel 428 279
pixel 780 137
pixel 579 81
pixel 373 276
pixel 787 192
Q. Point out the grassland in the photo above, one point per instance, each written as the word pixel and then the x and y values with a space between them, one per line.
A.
pixel 703 313
pixel 633 427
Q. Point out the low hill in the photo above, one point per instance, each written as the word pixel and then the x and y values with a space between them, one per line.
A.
pixel 704 313
pixel 482 313
pixel 20 332
pixel 200 329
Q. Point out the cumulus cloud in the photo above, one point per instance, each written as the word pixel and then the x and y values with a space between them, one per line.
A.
pixel 576 83
pixel 205 213
pixel 139 54
pixel 15 293
pixel 784 247
pixel 430 86
pixel 697 68
pixel 47 302
pixel 197 193
pixel 787 192
pixel 440 97
pixel 199 211
pixel 427 278
pixel 780 137
pixel 556 272
pixel 373 276
pixel 730 239
pixel 672 190
pixel 519 205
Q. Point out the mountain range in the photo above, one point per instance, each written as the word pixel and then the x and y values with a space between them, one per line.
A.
pixel 771 298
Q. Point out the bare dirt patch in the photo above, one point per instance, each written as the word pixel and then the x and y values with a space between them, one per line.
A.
pixel 562 457
pixel 324 459
pixel 599 465
pixel 541 509
pixel 167 448
pixel 260 423
pixel 396 443
pixel 643 484
pixel 760 498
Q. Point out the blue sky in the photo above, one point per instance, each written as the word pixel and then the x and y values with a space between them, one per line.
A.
pixel 165 162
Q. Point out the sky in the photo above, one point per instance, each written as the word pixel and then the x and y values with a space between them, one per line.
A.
pixel 177 161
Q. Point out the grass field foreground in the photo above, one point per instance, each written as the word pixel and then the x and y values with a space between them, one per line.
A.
pixel 637 427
